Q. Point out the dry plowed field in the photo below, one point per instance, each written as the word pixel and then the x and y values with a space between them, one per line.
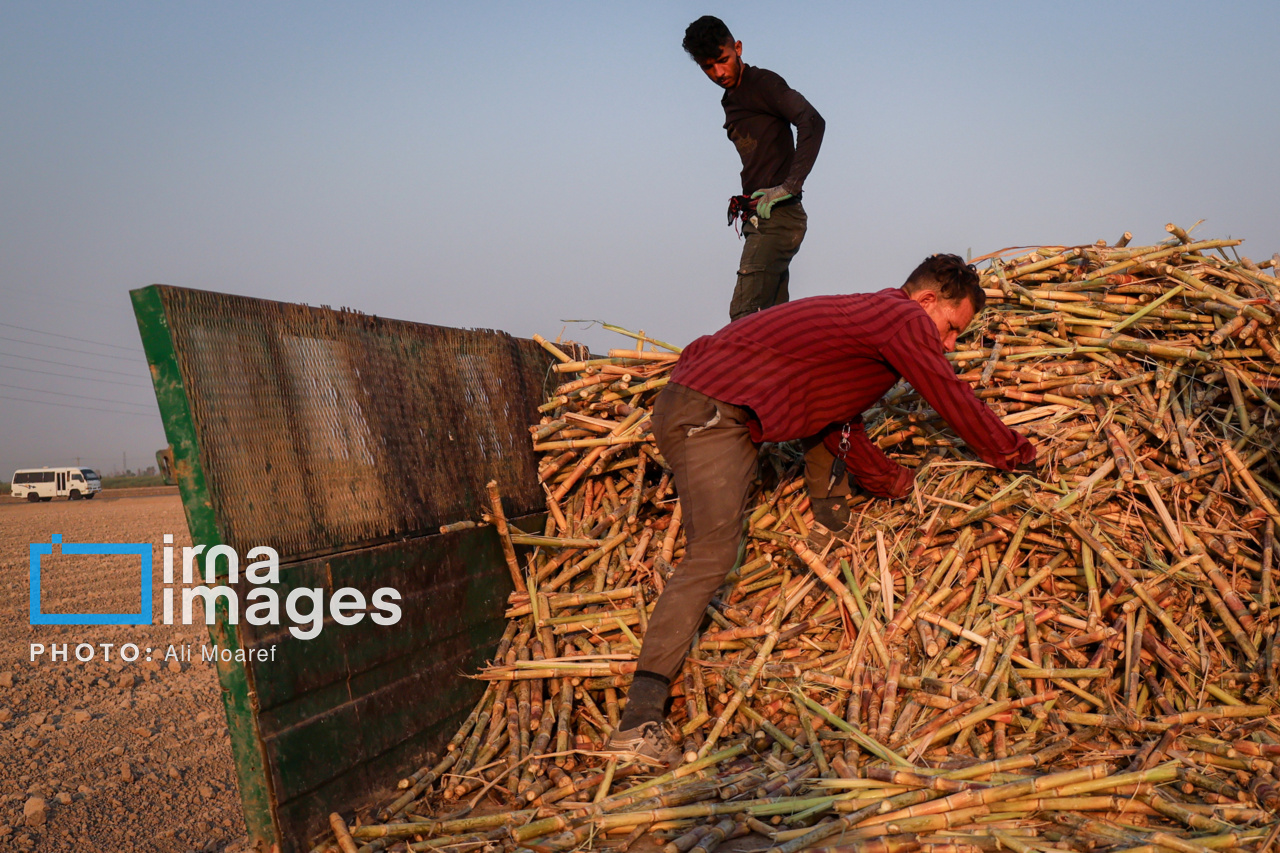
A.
pixel 125 756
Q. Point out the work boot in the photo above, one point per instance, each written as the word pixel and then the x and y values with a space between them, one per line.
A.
pixel 833 514
pixel 647 742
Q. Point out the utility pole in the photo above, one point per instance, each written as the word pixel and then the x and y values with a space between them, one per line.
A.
pixel 124 460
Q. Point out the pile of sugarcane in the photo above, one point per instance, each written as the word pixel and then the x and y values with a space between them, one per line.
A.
pixel 1083 656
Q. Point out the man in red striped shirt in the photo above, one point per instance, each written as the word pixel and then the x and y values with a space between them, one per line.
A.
pixel 804 370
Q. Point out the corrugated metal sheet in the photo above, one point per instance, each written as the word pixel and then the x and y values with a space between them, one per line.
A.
pixel 324 430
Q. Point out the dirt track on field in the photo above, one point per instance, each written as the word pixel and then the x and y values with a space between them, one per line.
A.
pixel 126 756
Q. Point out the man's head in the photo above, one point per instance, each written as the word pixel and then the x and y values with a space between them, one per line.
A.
pixel 949 291
pixel 710 44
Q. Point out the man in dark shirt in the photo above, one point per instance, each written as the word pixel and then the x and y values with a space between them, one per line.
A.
pixel 807 369
pixel 759 111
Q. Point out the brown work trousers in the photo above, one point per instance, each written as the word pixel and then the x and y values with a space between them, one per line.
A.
pixel 713 462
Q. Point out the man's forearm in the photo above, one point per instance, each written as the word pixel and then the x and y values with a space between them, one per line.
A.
pixel 809 131
pixel 916 358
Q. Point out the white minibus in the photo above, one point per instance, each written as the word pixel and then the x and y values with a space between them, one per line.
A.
pixel 45 484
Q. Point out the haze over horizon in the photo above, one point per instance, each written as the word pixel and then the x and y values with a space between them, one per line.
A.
pixel 514 166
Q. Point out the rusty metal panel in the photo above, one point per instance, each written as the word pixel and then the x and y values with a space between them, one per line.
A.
pixel 343 441
pixel 322 430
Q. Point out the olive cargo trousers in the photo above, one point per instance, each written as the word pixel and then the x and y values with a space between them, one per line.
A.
pixel 764 269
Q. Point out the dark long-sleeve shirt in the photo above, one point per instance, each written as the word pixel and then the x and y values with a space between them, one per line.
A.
pixel 808 367
pixel 758 115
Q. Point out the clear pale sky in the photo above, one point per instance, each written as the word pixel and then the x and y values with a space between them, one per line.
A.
pixel 516 165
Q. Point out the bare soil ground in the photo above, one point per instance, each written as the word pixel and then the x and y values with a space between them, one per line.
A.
pixel 125 756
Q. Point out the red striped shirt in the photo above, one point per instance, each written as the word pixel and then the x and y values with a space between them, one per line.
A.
pixel 806 367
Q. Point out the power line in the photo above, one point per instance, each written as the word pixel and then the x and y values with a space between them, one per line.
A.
pixel 73 406
pixel 77 396
pixel 82 378
pixel 45 295
pixel 69 364
pixel 80 340
pixel 61 348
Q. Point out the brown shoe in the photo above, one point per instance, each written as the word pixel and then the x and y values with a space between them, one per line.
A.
pixel 648 743
pixel 833 520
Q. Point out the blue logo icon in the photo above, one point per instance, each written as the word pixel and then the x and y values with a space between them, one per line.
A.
pixel 142 617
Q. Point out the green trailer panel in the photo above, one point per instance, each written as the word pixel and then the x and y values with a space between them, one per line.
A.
pixel 344 442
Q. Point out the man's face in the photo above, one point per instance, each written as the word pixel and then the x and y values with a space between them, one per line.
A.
pixel 951 316
pixel 725 70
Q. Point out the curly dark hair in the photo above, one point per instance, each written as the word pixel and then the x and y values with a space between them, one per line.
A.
pixel 704 38
pixel 950 277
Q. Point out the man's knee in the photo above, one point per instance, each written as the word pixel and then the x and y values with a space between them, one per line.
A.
pixel 718 550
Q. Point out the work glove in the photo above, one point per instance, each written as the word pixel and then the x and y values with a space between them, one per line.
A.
pixel 766 199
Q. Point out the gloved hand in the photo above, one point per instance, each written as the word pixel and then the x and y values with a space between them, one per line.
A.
pixel 766 199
